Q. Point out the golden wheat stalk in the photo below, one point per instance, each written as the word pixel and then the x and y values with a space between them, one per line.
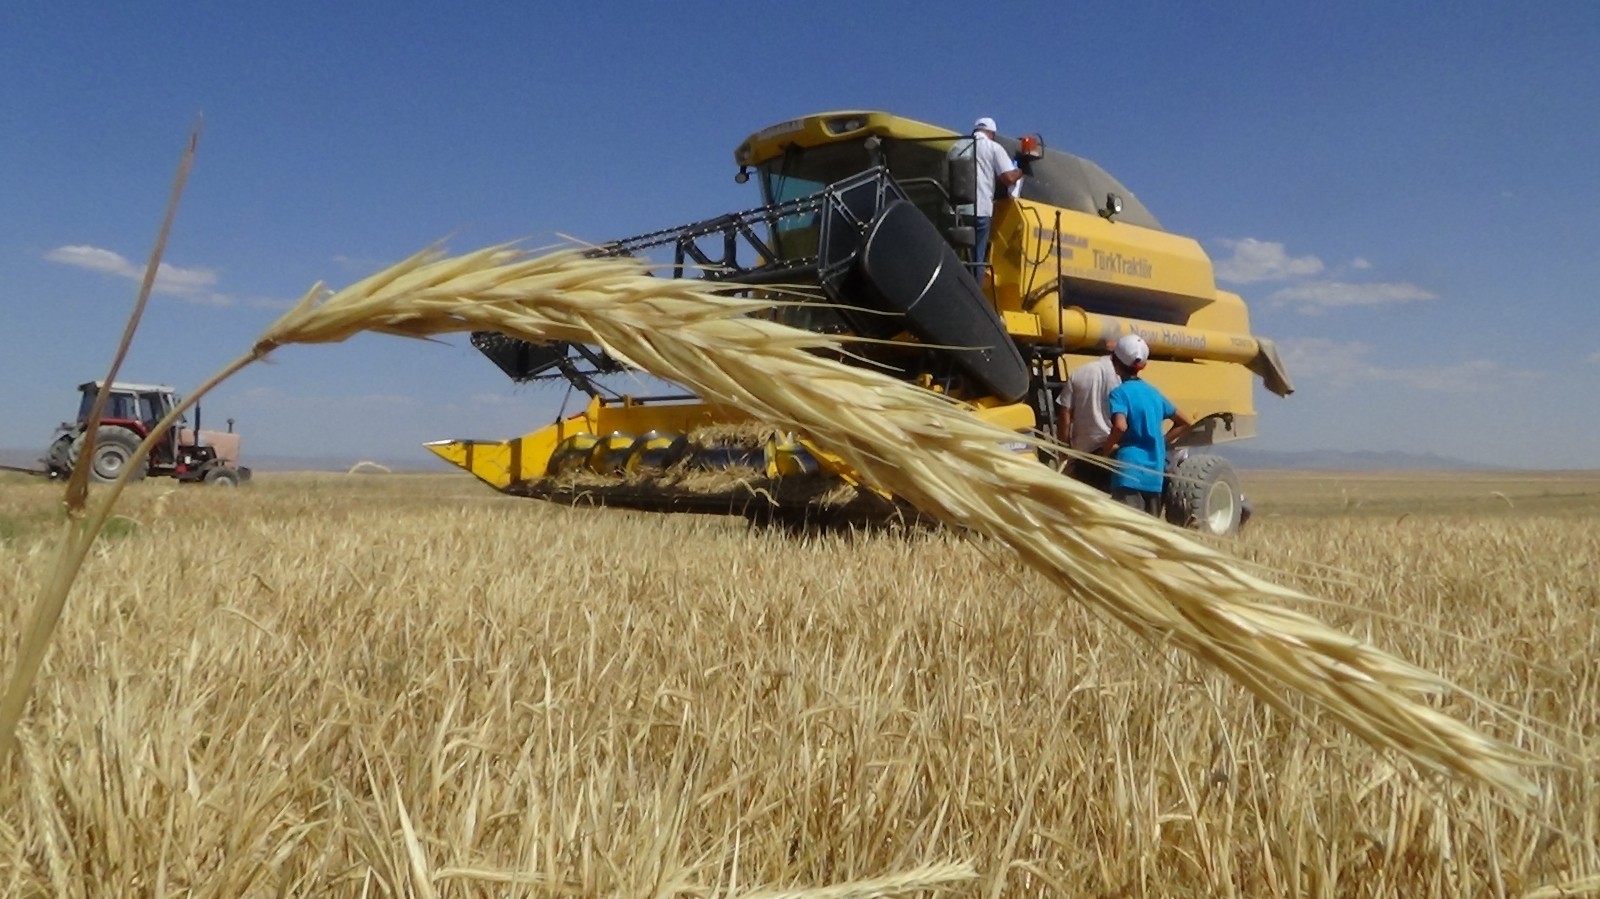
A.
pixel 80 529
pixel 1151 577
pixel 941 876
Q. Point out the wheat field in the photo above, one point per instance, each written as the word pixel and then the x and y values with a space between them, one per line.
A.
pixel 379 685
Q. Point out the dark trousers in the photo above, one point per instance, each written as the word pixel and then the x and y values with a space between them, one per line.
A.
pixel 980 246
pixel 1096 476
pixel 1139 499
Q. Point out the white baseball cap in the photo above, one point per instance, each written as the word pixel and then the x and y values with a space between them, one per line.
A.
pixel 1132 351
pixel 984 124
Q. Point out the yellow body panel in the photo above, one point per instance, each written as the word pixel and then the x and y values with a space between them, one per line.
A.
pixel 1011 416
pixel 1041 254
pixel 1022 324
pixel 829 127
pixel 1034 242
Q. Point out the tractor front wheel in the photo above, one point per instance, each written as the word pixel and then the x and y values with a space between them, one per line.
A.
pixel 113 450
pixel 223 476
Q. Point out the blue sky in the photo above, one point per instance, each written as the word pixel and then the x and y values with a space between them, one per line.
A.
pixel 1408 197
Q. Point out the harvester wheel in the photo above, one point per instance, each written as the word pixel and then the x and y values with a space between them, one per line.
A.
pixel 113 449
pixel 1203 493
pixel 223 476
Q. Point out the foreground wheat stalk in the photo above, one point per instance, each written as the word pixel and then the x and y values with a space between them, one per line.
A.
pixel 82 527
pixel 1151 577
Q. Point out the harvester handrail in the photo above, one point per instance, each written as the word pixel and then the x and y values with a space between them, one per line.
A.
pixel 690 260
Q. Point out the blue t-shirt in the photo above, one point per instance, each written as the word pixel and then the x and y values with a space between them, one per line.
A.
pixel 1144 446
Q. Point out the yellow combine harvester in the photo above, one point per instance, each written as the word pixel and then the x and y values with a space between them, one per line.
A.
pixel 863 206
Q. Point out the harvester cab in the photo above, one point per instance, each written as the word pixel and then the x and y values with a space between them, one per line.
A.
pixel 865 207
pixel 131 412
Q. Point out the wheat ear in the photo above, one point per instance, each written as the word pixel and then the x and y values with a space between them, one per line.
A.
pixel 1151 577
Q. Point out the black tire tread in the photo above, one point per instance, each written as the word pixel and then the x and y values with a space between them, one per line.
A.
pixel 220 473
pixel 1192 480
pixel 107 435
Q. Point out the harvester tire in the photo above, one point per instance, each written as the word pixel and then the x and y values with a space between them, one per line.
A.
pixel 113 450
pixel 1203 493
pixel 223 476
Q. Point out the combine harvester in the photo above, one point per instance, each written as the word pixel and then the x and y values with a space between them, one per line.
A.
pixel 861 207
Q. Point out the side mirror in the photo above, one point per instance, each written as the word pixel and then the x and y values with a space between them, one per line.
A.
pixel 742 176
pixel 1113 207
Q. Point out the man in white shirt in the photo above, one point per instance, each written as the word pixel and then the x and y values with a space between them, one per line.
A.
pixel 995 170
pixel 1085 417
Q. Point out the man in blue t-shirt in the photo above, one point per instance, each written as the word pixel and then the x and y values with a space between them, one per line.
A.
pixel 1138 411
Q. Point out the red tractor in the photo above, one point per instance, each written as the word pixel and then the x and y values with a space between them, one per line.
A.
pixel 131 411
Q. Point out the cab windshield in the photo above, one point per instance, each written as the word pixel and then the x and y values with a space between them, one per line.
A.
pixel 917 166
pixel 802 171
pixel 122 405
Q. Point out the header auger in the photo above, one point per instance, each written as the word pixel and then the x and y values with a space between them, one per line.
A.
pixel 862 206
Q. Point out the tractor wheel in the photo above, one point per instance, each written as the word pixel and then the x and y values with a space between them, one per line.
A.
pixel 113 450
pixel 222 476
pixel 1203 493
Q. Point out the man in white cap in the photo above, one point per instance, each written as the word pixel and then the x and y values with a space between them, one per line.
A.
pixel 995 170
pixel 1138 412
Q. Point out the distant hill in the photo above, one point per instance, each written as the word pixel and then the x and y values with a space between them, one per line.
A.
pixel 1349 460
pixel 21 458
pixel 343 463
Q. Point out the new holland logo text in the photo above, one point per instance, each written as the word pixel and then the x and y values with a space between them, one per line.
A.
pixel 1167 337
